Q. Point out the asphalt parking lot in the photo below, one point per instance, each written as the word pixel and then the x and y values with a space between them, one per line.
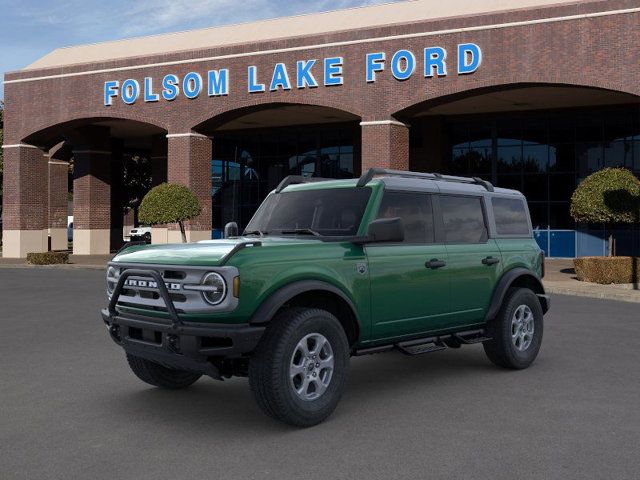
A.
pixel 70 408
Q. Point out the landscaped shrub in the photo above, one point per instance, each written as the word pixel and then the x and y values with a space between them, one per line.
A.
pixel 609 196
pixel 169 203
pixel 47 258
pixel 606 270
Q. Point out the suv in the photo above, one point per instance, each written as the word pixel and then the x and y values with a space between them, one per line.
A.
pixel 325 270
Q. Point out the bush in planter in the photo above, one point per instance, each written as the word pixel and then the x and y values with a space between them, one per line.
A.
pixel 169 203
pixel 609 196
pixel 48 258
pixel 606 270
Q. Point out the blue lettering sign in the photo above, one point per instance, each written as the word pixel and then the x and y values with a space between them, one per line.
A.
pixel 149 96
pixel 469 58
pixel 192 85
pixel 434 58
pixel 170 86
pixel 280 78
pixel 254 86
pixel 218 82
pixel 375 63
pixel 304 77
pixel 403 64
pixel 333 71
pixel 110 92
pixel 130 91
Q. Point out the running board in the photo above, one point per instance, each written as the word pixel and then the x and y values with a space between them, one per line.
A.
pixel 436 343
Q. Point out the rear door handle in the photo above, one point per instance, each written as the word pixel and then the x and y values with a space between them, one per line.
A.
pixel 490 261
pixel 435 263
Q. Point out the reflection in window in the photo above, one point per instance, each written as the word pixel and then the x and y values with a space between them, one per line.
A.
pixel 545 153
pixel 463 219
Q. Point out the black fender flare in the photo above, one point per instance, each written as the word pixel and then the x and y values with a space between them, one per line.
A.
pixel 277 299
pixel 506 281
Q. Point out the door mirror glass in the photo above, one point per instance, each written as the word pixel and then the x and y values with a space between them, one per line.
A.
pixel 386 230
pixel 231 230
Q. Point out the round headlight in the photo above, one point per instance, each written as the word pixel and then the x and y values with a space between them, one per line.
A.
pixel 112 279
pixel 215 288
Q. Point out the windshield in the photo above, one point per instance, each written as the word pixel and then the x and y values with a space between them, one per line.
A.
pixel 328 212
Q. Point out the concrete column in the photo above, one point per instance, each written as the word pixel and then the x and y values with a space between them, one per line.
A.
pixel 25 206
pixel 117 185
pixel 189 164
pixel 58 191
pixel 385 144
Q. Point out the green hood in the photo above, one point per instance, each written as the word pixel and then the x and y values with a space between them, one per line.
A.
pixel 209 252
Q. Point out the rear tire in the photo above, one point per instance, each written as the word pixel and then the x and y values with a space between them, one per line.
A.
pixel 300 367
pixel 159 376
pixel 516 332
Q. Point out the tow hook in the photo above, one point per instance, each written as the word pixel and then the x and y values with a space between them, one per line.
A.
pixel 173 343
pixel 114 331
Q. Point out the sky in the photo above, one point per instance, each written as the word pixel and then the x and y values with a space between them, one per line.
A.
pixel 30 29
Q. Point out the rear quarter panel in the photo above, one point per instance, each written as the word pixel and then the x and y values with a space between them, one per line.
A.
pixel 520 252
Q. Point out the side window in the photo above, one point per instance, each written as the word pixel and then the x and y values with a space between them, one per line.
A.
pixel 511 216
pixel 463 219
pixel 415 211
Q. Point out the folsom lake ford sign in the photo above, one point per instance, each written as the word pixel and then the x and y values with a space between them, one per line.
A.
pixel 309 73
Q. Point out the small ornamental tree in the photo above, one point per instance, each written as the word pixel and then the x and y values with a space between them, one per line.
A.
pixel 609 196
pixel 169 203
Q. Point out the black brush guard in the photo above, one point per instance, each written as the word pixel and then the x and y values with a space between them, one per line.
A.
pixel 179 345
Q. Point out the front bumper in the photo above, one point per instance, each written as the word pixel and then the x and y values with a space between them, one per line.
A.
pixel 188 346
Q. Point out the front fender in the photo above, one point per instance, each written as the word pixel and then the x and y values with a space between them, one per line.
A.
pixel 277 299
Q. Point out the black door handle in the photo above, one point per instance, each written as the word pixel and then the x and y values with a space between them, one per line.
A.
pixel 435 263
pixel 490 260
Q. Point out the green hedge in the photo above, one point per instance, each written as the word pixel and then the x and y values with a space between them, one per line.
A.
pixel 607 270
pixel 47 258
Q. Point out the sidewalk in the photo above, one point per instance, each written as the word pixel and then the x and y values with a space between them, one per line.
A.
pixel 560 278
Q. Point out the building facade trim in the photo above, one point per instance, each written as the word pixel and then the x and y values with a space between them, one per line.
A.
pixel 383 122
pixel 20 145
pixel 335 44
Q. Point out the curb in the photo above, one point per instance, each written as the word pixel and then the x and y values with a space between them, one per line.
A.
pixel 68 266
pixel 621 297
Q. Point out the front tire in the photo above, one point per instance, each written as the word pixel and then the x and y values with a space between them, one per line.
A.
pixel 516 332
pixel 159 376
pixel 299 370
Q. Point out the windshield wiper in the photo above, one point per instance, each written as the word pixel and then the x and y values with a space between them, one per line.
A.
pixel 305 231
pixel 254 232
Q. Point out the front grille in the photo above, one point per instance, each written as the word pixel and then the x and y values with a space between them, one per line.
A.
pixel 141 291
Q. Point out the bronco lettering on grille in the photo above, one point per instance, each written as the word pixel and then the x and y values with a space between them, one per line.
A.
pixel 132 282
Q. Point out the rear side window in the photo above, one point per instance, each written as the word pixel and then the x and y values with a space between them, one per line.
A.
pixel 511 216
pixel 463 219
pixel 415 211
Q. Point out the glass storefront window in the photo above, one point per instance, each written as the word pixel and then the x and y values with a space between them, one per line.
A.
pixel 249 164
pixel 544 154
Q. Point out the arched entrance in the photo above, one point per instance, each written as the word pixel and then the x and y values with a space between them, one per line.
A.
pixel 539 139
pixel 254 148
pixel 92 172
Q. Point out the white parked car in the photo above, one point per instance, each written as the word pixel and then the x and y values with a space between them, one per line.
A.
pixel 140 234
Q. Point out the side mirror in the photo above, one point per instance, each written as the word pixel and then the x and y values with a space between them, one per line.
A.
pixel 385 230
pixel 231 230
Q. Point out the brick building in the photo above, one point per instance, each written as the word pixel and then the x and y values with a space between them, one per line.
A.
pixel 533 95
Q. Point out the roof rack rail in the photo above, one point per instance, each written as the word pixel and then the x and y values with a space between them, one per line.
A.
pixel 297 179
pixel 374 172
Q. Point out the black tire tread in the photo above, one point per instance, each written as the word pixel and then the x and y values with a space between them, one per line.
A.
pixel 264 373
pixel 499 349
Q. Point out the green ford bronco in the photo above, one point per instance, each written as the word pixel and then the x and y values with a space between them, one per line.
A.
pixel 327 269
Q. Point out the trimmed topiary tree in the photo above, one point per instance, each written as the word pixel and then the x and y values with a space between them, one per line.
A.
pixel 609 196
pixel 169 203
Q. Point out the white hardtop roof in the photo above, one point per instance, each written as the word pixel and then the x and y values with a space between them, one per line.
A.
pixel 278 28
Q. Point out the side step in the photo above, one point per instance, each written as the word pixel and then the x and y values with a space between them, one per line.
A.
pixel 437 343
